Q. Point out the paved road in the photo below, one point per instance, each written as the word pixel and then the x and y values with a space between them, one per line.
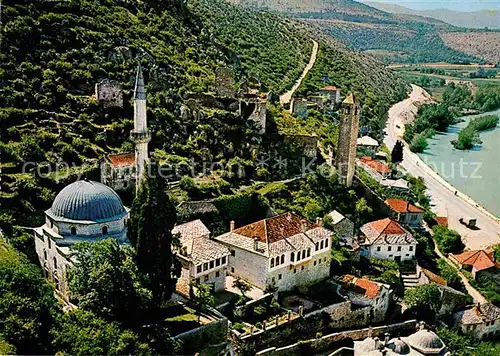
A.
pixel 287 97
pixel 444 200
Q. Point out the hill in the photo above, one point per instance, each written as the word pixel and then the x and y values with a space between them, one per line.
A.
pixel 473 19
pixel 53 54
pixel 390 37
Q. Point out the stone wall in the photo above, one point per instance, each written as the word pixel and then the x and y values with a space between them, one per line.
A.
pixel 249 266
pixel 109 93
pixel 224 82
pixel 331 342
pixel 299 107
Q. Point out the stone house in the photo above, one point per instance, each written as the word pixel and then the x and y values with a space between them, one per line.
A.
pixel 254 108
pixel 331 93
pixel 396 185
pixel 286 251
pixel 378 169
pixel 82 211
pixel 309 143
pixel 477 262
pixel 406 213
pixel 203 261
pixel 109 93
pixel 387 239
pixel 370 144
pixel 342 227
pixel 365 293
pixel 482 321
pixel 298 107
pixel 119 170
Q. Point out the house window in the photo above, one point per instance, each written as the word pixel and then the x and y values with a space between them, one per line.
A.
pixel 411 248
pixel 205 266
pixel 407 255
pixel 303 254
pixel 198 269
pixel 217 262
pixel 51 224
pixel 295 270
pixel 321 245
pixel 308 252
pixel 326 243
pixel 390 256
pixel 379 248
pixel 206 278
pixel 55 263
pixel 73 230
pixel 233 253
pixel 302 268
pixel 104 230
pixel 217 274
pixel 272 262
pixel 50 243
pixel 317 246
pixel 315 263
pixel 273 280
pixel 44 254
pixel 282 259
pixel 399 248
pixel 232 269
pixel 292 256
pixel 197 281
pixel 413 217
pixel 279 276
pixel 212 264
pixel 224 260
pixel 389 248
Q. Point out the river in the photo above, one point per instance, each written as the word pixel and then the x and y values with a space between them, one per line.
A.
pixel 475 172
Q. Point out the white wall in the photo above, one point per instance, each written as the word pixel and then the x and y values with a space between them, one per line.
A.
pixel 386 254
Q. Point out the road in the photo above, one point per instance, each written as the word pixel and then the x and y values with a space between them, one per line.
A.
pixel 444 200
pixel 287 97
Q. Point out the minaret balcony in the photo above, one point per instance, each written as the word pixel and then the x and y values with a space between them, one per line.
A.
pixel 141 136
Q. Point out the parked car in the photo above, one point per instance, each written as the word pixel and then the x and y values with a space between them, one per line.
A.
pixel 468 221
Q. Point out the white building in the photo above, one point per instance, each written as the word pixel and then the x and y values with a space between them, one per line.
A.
pixel 204 261
pixel 387 239
pixel 405 212
pixel 481 321
pixel 82 211
pixel 287 251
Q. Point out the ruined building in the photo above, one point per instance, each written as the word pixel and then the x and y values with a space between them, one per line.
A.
pixel 124 171
pixel 348 134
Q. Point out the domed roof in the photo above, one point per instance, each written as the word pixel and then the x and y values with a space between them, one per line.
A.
pixel 427 342
pixel 367 345
pixel 88 201
pixel 399 346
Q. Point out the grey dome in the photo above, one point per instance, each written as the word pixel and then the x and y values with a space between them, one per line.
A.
pixel 427 342
pixel 87 200
pixel 399 346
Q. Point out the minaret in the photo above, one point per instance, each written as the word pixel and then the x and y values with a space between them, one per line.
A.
pixel 348 135
pixel 140 134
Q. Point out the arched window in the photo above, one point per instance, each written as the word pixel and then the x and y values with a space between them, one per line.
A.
pixel 73 230
pixel 292 256
pixel 308 252
pixel 45 254
pixel 321 245
pixel 326 243
pixel 282 259
pixel 104 230
pixel 55 263
pixel 272 262
pixel 317 246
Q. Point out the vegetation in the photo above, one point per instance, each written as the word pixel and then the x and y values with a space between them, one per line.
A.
pixel 448 240
pixel 469 136
pixel 464 345
pixel 397 153
pixel 424 300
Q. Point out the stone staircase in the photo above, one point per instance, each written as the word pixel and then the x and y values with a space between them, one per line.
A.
pixel 411 276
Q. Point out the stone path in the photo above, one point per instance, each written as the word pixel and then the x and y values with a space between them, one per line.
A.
pixel 287 97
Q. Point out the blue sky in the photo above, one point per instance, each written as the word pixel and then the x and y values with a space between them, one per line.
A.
pixel 458 5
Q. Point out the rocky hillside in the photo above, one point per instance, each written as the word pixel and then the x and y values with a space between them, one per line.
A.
pixel 485 45
pixel 54 53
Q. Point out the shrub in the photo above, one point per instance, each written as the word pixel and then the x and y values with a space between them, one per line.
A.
pixel 448 240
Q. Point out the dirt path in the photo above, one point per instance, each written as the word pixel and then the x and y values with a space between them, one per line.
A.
pixel 287 97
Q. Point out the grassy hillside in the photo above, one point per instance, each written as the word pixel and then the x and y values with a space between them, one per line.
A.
pixel 54 53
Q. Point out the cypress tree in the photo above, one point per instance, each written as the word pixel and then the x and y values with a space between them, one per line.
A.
pixel 150 232
pixel 397 153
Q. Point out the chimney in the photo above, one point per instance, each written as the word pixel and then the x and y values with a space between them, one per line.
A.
pixel 386 339
pixel 231 225
pixel 256 243
pixel 303 225
pixel 319 221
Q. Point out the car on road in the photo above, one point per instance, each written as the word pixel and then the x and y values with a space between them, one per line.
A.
pixel 468 221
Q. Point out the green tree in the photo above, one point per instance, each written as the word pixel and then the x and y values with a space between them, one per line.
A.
pixel 203 298
pixel 397 153
pixel 448 240
pixel 423 297
pixel 242 286
pixel 449 273
pixel 362 210
pixel 104 280
pixel 152 219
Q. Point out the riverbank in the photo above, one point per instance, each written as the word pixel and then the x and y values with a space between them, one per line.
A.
pixel 445 199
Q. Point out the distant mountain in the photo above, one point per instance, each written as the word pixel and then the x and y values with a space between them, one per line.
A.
pixel 476 19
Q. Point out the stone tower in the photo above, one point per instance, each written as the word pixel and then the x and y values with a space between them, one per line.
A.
pixel 140 134
pixel 348 134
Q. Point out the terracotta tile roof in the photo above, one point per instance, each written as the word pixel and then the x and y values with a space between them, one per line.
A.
pixel 403 206
pixel 122 159
pixel 330 88
pixel 386 231
pixel 478 259
pixel 441 220
pixel 478 314
pixel 371 288
pixel 377 166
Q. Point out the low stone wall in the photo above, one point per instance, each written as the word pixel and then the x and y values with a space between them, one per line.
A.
pixel 330 342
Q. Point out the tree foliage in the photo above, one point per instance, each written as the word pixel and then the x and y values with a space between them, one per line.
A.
pixel 448 240
pixel 397 152
pixel 424 296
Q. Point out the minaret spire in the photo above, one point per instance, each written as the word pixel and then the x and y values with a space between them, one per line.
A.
pixel 140 134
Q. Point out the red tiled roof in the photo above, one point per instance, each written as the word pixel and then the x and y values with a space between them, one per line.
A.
pixel 479 259
pixel 402 206
pixel 276 228
pixel 371 288
pixel 330 88
pixel 441 220
pixel 387 227
pixel 122 159
pixel 377 166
